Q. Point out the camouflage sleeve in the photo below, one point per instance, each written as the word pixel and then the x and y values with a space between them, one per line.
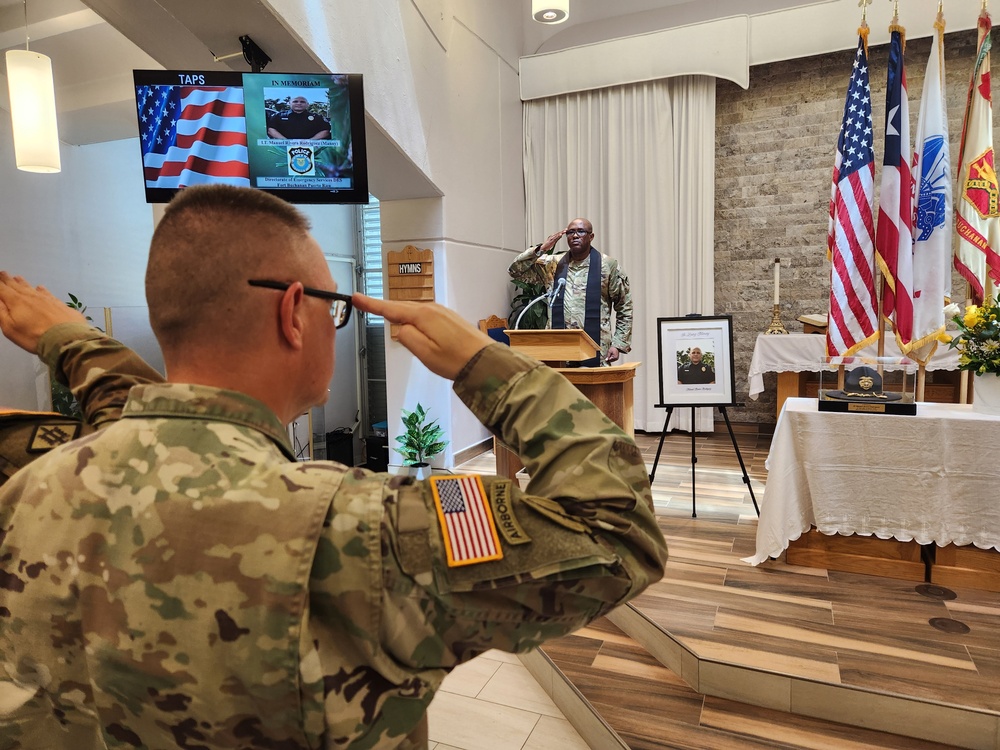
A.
pixel 620 296
pixel 99 370
pixel 531 269
pixel 580 540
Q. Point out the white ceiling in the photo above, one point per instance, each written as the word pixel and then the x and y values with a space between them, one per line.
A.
pixel 95 45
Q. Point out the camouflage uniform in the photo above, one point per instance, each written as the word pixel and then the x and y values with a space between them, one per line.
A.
pixel 615 293
pixel 24 435
pixel 178 580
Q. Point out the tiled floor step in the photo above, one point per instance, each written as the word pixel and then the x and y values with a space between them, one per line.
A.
pixel 639 704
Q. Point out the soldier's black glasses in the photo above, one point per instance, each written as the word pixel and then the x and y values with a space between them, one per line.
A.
pixel 340 311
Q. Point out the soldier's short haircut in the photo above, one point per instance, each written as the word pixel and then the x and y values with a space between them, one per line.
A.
pixel 210 241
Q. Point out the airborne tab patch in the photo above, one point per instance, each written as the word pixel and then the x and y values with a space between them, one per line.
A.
pixel 507 522
pixel 467 524
pixel 45 437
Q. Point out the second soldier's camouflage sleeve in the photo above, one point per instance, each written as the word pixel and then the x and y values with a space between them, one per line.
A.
pixel 531 269
pixel 581 539
pixel 99 370
pixel 620 297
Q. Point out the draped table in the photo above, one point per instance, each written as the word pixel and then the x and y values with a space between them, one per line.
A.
pixel 929 479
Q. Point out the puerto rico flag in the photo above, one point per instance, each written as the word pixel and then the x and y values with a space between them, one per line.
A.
pixel 193 135
pixel 467 524
pixel 894 239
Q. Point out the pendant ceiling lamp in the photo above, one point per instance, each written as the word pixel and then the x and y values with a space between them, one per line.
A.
pixel 33 108
pixel 550 11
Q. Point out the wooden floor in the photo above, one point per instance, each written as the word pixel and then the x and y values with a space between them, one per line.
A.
pixel 859 648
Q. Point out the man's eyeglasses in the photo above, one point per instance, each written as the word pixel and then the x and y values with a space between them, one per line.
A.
pixel 340 311
pixel 580 232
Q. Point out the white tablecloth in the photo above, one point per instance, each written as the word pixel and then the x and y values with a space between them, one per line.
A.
pixel 803 352
pixel 932 477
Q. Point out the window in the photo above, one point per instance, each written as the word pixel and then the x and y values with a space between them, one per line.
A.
pixel 371 261
pixel 373 329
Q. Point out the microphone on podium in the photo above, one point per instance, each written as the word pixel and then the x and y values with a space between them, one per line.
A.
pixel 549 295
pixel 558 287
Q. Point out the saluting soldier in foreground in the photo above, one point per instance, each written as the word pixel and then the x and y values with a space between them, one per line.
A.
pixel 177 579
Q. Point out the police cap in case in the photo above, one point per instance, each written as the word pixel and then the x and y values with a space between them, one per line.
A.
pixel 863 385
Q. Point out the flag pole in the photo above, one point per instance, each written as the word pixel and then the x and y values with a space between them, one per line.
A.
pixel 963 378
pixel 863 30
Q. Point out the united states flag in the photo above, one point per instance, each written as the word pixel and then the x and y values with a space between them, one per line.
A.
pixel 894 240
pixel 853 321
pixel 469 532
pixel 193 135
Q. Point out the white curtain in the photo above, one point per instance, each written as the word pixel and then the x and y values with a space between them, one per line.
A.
pixel 638 161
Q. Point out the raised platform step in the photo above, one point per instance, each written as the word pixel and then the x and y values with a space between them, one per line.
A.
pixel 619 696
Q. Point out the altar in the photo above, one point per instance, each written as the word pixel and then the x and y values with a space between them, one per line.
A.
pixel 795 355
pixel 925 479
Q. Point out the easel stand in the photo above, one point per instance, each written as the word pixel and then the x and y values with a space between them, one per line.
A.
pixel 694 457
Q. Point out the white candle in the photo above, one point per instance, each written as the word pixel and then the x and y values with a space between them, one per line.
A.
pixel 777 267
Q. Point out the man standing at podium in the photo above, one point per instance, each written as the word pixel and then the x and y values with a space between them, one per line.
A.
pixel 587 286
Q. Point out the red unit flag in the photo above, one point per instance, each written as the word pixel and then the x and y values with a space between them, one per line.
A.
pixel 977 210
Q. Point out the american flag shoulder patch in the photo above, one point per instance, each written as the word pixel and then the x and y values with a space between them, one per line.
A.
pixel 467 524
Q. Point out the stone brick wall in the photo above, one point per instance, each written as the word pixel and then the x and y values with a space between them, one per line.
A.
pixel 775 145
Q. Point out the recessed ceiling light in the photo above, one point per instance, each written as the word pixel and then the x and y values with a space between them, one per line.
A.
pixel 550 11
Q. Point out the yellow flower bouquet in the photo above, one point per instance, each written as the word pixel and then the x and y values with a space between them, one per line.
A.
pixel 978 338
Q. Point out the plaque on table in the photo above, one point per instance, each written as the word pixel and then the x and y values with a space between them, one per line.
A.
pixel 868 385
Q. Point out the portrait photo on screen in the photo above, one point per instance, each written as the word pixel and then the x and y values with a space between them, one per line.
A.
pixel 299 131
pixel 696 361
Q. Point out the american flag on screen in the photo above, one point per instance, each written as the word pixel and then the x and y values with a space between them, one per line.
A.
pixel 193 135
pixel 466 520
pixel 853 321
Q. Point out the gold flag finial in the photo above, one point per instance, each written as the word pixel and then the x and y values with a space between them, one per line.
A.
pixel 863 4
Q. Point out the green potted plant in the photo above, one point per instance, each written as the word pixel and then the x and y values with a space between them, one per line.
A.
pixel 537 316
pixel 420 441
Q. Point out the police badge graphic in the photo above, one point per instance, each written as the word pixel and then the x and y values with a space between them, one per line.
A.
pixel 301 161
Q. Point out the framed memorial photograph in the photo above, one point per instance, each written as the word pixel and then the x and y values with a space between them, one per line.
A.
pixel 696 361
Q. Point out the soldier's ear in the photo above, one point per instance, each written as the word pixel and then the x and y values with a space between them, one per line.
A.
pixel 291 316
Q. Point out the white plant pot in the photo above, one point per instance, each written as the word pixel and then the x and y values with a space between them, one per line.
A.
pixel 986 394
pixel 420 471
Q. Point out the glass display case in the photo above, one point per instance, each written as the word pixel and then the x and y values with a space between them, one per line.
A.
pixel 879 385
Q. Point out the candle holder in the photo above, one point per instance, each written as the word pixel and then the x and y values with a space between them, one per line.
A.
pixel 776 325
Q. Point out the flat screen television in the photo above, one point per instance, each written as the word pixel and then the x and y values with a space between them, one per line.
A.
pixel 300 136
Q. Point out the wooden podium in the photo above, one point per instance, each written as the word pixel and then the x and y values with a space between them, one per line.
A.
pixel 554 346
pixel 609 388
